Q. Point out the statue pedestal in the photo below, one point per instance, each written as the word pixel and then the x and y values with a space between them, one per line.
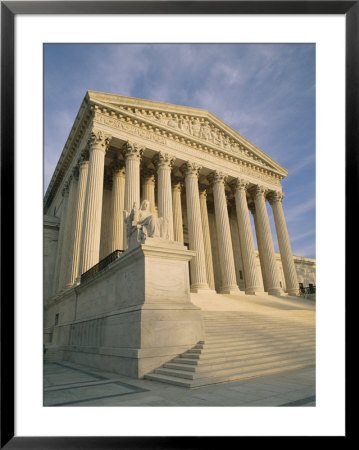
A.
pixel 137 313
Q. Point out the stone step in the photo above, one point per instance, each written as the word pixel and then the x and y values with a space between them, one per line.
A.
pixel 233 370
pixel 239 333
pixel 224 378
pixel 231 357
pixel 253 343
pixel 236 362
pixel 238 342
pixel 241 345
pixel 237 347
pixel 196 355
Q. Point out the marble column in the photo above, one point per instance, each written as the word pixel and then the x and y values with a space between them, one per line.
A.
pixel 106 216
pixel 290 274
pixel 132 153
pixel 91 230
pixel 237 254
pixel 253 283
pixel 267 253
pixel 117 205
pixel 206 235
pixel 68 233
pixel 195 234
pixel 83 164
pixel 177 185
pixel 252 209
pixel 59 254
pixel 148 187
pixel 164 163
pixel 228 271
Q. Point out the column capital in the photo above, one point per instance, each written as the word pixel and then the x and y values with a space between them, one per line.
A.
pixel 217 177
pixel 240 185
pixel 191 169
pixel 203 189
pixel 132 150
pixel 275 197
pixel 84 157
pixel 149 175
pixel 163 160
pixel 99 140
pixel 258 192
pixel 117 167
pixel 177 183
pixel 252 208
pixel 75 172
pixel 107 179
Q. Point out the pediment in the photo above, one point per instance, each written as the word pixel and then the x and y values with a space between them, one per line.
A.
pixel 190 124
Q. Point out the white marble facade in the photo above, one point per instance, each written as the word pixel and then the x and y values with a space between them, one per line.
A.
pixel 197 173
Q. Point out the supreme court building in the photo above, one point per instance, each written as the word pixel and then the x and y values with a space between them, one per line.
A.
pixel 198 174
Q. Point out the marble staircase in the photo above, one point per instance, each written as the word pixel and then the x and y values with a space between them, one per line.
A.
pixel 249 338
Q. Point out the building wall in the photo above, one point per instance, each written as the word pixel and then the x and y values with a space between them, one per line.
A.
pixel 50 238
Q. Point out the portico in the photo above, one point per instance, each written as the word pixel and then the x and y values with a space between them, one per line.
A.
pixel 191 167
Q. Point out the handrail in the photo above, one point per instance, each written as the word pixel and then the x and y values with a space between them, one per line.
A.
pixel 101 265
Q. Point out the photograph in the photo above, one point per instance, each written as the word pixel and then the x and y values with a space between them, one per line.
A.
pixel 179 224
pixel 177 180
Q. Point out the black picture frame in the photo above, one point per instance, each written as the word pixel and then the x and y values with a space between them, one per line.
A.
pixel 9 9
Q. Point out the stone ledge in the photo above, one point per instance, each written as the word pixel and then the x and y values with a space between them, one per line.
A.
pixel 125 351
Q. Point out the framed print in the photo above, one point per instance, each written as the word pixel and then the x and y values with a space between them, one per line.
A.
pixel 203 68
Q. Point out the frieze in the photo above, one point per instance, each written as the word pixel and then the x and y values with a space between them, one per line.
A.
pixel 259 175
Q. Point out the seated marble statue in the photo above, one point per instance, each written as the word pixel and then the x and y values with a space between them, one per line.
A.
pixel 141 224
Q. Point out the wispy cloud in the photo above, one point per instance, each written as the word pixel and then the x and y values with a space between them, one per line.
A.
pixel 265 92
pixel 299 209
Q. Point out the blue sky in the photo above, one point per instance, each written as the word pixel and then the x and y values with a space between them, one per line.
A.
pixel 266 92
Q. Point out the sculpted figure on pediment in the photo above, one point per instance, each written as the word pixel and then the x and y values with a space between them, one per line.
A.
pixel 206 131
pixel 226 142
pixel 161 117
pixel 173 121
pixel 196 128
pixel 216 136
pixel 235 146
pixel 184 125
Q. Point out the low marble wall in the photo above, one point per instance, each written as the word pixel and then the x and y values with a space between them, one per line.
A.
pixel 133 316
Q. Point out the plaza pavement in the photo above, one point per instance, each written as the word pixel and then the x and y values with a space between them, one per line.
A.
pixel 69 384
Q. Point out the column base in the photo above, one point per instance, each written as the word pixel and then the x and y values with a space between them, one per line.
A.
pixel 276 291
pixel 255 291
pixel 231 290
pixel 293 292
pixel 203 289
